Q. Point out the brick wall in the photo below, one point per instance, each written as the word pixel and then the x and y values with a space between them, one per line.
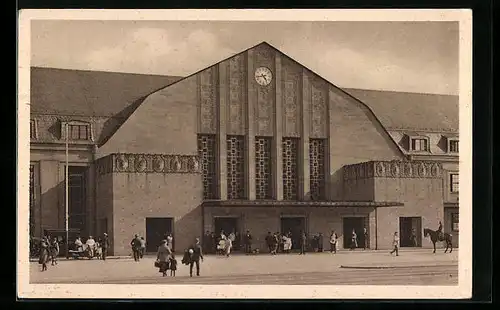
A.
pixel 137 196
pixel 422 197
pixel 104 207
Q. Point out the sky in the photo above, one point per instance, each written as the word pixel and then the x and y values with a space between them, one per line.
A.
pixel 417 57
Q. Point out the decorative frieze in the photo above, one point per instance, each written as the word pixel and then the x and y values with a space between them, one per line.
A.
pixel 208 113
pixel 148 163
pixel 393 169
pixel 292 75
pixel 319 109
pixel 237 99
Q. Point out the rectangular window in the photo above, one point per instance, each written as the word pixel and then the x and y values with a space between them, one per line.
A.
pixel 419 145
pixel 77 197
pixel 317 168
pixel 207 151
pixel 453 146
pixel 454 182
pixel 263 171
pixel 78 132
pixel 235 167
pixel 32 129
pixel 290 168
pixel 454 221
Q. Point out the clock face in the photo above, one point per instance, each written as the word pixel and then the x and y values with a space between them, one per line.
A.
pixel 263 76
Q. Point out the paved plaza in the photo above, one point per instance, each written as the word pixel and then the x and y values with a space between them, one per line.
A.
pixel 419 267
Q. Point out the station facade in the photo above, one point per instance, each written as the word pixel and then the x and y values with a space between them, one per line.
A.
pixel 255 142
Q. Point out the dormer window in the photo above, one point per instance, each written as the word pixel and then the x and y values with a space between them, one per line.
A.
pixel 76 131
pixel 453 145
pixel 417 143
pixel 33 128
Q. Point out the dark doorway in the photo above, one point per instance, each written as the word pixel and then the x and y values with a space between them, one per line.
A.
pixel 156 228
pixel 357 224
pixel 294 225
pixel 227 224
pixel 77 193
pixel 410 231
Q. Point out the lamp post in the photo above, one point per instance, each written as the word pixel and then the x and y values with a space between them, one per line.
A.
pixel 67 195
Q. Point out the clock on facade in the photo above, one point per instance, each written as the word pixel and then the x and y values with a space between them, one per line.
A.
pixel 263 76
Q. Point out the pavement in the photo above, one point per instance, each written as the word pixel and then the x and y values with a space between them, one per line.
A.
pixel 415 267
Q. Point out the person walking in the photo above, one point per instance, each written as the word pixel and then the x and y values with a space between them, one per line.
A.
pixel 44 253
pixel 195 255
pixel 333 242
pixel 247 240
pixel 173 265
pixel 104 246
pixel 54 250
pixel 354 240
pixel 303 243
pixel 163 257
pixel 143 247
pixel 414 237
pixel 320 242
pixel 366 239
pixel 229 246
pixel 90 243
pixel 136 246
pixel 269 242
pixel 395 243
pixel 170 242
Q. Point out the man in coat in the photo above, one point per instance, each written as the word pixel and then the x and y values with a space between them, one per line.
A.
pixel 303 243
pixel 136 247
pixel 105 246
pixel 247 240
pixel 194 257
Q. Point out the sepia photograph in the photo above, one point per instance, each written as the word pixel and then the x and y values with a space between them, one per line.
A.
pixel 245 154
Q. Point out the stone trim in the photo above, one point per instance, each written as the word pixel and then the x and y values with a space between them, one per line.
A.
pixel 393 169
pixel 148 163
pixel 274 203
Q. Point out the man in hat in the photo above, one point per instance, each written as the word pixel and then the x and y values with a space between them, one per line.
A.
pixel 105 246
pixel 195 254
pixel 136 247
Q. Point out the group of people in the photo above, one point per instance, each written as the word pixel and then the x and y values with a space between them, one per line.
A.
pixel 92 248
pixel 138 245
pixel 49 250
pixel 165 258
pixel 221 244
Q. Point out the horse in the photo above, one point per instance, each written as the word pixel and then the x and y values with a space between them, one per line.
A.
pixel 446 237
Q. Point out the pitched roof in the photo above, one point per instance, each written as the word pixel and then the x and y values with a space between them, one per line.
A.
pixel 411 111
pixel 89 93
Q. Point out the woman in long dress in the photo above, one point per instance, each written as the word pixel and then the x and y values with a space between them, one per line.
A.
pixel 229 245
pixel 163 257
pixel 44 253
pixel 54 251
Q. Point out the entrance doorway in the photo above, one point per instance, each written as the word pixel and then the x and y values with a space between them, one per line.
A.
pixel 156 228
pixel 226 224
pixel 357 224
pixel 410 231
pixel 295 226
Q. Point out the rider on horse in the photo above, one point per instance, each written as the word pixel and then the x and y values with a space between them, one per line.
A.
pixel 440 231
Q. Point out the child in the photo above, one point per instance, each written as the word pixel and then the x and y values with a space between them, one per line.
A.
pixel 173 265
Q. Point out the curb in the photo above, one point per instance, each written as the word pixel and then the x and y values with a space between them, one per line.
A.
pixel 397 267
